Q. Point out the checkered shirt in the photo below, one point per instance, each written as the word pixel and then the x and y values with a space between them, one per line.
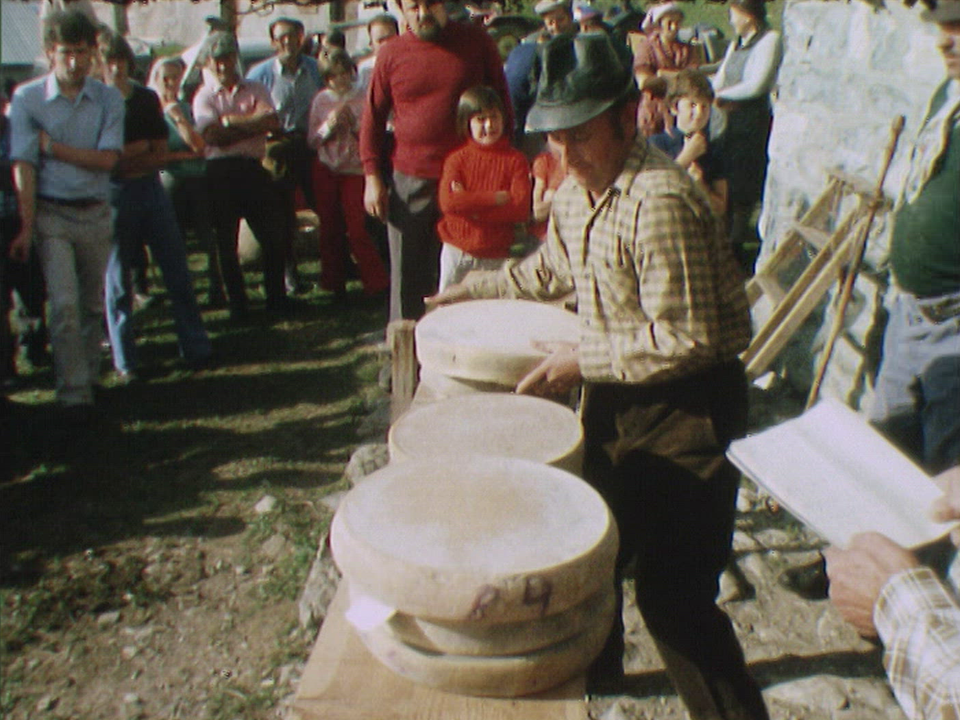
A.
pixel 918 619
pixel 658 291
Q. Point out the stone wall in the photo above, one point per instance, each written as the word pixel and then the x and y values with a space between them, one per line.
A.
pixel 849 69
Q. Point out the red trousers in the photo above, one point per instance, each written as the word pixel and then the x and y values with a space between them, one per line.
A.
pixel 342 230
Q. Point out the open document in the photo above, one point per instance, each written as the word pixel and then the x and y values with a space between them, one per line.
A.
pixel 838 475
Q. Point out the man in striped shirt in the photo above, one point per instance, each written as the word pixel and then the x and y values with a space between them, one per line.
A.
pixel 663 316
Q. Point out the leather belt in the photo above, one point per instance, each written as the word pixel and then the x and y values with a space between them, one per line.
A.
pixel 77 203
pixel 938 311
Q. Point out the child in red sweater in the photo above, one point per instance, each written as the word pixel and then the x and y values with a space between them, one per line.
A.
pixel 484 190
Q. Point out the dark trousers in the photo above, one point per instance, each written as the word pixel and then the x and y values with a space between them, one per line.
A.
pixel 656 454
pixel 290 162
pixel 414 245
pixel 239 187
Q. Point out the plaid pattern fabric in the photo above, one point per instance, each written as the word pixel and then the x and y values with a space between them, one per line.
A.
pixel 658 291
pixel 918 619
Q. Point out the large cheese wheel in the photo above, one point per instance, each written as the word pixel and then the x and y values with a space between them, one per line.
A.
pixel 501 424
pixel 501 676
pixel 466 638
pixel 434 386
pixel 483 539
pixel 491 340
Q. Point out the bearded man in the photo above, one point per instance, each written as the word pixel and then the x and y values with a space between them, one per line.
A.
pixel 419 77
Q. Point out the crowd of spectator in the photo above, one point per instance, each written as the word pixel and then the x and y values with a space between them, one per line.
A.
pixel 370 144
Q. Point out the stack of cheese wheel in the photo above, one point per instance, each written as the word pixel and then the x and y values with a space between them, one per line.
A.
pixel 500 424
pixel 488 344
pixel 496 573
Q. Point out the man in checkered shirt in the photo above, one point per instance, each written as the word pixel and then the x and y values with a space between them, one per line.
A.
pixel 663 316
pixel 884 591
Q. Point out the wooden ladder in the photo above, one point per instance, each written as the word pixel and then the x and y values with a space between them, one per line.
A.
pixel 832 251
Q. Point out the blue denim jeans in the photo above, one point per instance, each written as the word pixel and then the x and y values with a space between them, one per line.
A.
pixel 917 395
pixel 144 214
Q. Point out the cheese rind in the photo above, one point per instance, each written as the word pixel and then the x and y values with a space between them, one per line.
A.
pixel 501 424
pixel 495 341
pixel 473 538
pixel 500 676
pixel 465 638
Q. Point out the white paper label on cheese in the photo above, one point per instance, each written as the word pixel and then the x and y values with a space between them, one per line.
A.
pixel 366 613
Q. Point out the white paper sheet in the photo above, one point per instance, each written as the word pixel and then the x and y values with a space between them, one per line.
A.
pixel 838 475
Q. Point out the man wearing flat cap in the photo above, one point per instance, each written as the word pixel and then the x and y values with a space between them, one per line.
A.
pixel 234 117
pixel 663 315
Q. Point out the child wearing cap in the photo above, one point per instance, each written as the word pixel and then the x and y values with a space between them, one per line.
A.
pixel 688 141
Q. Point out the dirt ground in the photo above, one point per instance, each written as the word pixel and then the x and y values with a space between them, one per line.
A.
pixel 150 564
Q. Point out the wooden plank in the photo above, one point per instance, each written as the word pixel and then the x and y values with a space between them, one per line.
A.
pixel 758 356
pixel 343 681
pixel 403 370
pixel 812 236
pixel 798 289
pixel 860 186
pixel 817 215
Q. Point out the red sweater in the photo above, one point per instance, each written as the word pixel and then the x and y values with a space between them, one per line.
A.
pixel 421 82
pixel 472 221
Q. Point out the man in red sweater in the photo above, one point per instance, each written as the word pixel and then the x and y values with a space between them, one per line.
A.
pixel 419 76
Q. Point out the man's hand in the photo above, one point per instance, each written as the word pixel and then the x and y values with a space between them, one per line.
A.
pixel 20 247
pixel 556 375
pixel 542 200
pixel 695 145
pixel 858 574
pixel 947 508
pixel 375 197
pixel 44 141
pixel 452 294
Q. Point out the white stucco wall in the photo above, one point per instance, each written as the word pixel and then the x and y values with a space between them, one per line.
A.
pixel 849 69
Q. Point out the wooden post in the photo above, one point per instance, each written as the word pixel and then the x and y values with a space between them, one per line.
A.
pixel 403 371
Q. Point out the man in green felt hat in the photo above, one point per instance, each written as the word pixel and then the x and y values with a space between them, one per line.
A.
pixel 663 316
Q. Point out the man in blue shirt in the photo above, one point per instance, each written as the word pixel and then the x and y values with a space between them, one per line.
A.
pixel 66 137
pixel 293 79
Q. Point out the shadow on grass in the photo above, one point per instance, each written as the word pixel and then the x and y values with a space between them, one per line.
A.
pixel 181 453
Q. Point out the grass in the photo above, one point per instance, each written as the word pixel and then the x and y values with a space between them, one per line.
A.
pixel 182 455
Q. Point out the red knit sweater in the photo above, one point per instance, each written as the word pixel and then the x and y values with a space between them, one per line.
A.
pixel 472 221
pixel 421 82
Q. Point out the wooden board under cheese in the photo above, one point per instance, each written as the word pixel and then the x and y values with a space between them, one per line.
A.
pixel 473 538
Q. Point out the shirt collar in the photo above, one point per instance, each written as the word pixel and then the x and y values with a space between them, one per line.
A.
pixel 278 67
pixel 218 87
pixel 52 89
pixel 750 39
pixel 634 163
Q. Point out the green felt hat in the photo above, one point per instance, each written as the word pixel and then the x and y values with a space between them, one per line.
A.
pixel 577 78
